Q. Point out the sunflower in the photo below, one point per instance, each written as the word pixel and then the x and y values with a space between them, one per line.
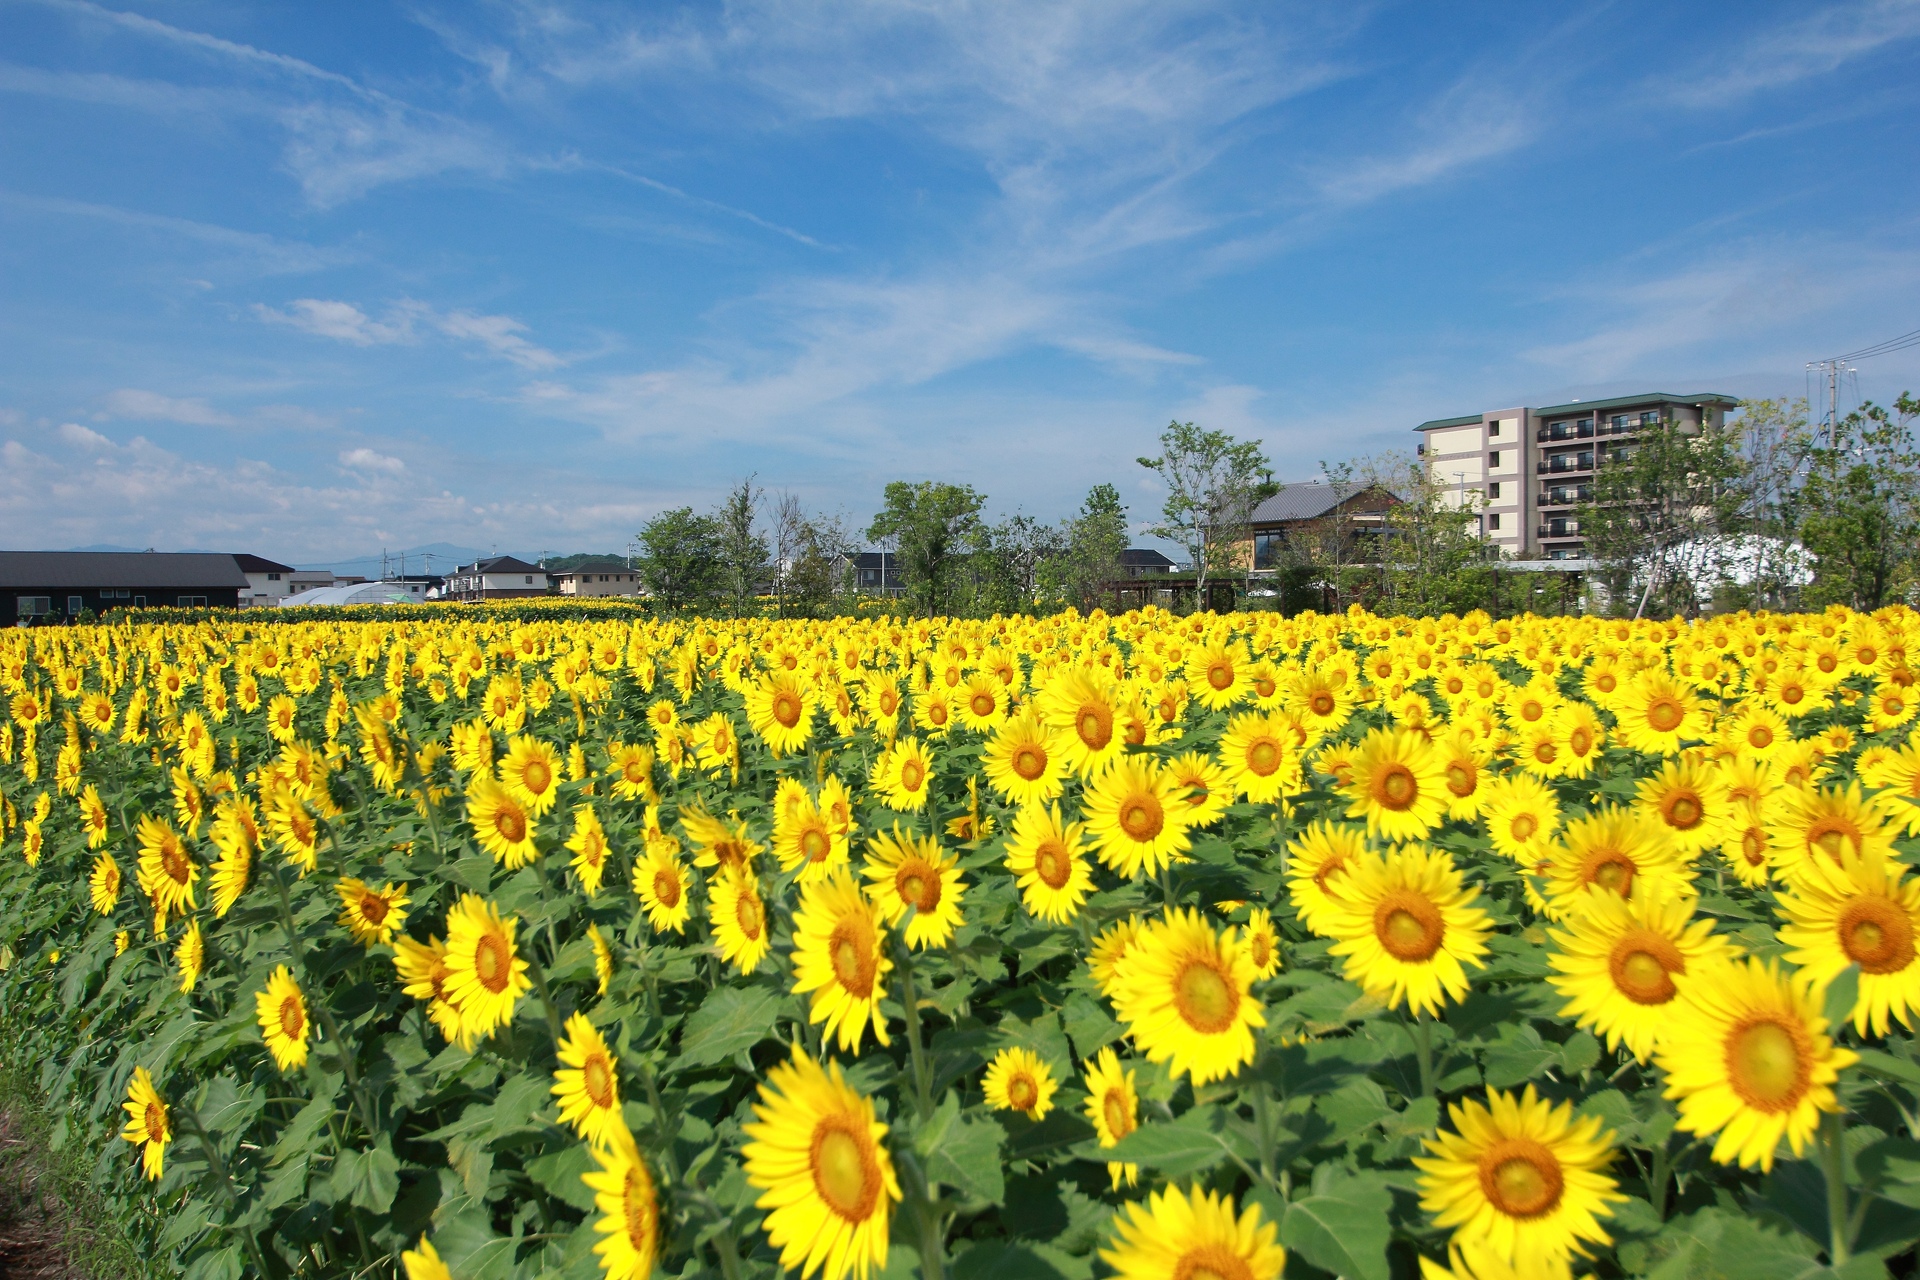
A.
pixel 1657 713
pixel 808 840
pixel 1807 824
pixel 661 882
pixel 236 833
pixel 1318 860
pixel 167 871
pixel 1017 1080
pixel 502 822
pixel 472 746
pixel 1184 994
pixel 103 886
pixel 1206 786
pixel 1398 783
pixel 719 843
pixel 1464 760
pixel 1113 1105
pixel 912 871
pixel 631 768
pixel 1195 1233
pixel 1890 706
pixel 781 710
pixel 1261 942
pixel 149 1125
pixel 282 1013
pixel 1257 755
pixel 372 915
pixel 1749 1059
pixel 840 956
pixel 719 745
pixel 586 1083
pixel 1218 675
pixel 624 1193
pixel 1083 706
pixel 1521 1177
pixel 983 703
pixel 820 1158
pixel 530 772
pixel 281 715
pixel 485 975
pixel 424 1263
pixel 422 969
pixel 1862 910
pixel 191 956
pixel 1620 850
pixel 93 817
pixel 588 844
pixel 1406 925
pixel 1758 731
pixel 739 916
pixel 1111 949
pixel 1793 691
pixel 1137 817
pixel 1322 701
pixel 902 776
pixel 602 957
pixel 1618 964
pixel 1020 761
pixel 96 712
pixel 1689 798
pixel 1047 857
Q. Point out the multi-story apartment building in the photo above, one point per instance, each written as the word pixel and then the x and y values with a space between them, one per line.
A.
pixel 1528 469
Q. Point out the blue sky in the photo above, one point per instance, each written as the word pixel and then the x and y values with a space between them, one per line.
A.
pixel 309 280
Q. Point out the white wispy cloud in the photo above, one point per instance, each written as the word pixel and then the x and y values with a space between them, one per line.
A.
pixel 364 459
pixel 404 322
pixel 1817 43
pixel 151 406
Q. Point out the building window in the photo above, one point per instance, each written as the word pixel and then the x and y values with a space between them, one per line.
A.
pixel 33 606
pixel 1493 459
pixel 1266 550
pixel 1493 428
pixel 1493 522
pixel 1493 490
pixel 273 577
pixel 529 579
pixel 139 602
pixel 75 604
pixel 193 602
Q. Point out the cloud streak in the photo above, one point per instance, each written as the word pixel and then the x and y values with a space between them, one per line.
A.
pixel 404 321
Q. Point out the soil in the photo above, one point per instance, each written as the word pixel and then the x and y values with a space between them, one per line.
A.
pixel 33 1220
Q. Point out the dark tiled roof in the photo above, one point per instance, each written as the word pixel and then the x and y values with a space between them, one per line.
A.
pixel 1304 502
pixel 260 564
pixel 150 569
pixel 501 564
pixel 1144 557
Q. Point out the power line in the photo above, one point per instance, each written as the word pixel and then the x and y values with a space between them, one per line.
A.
pixel 1900 343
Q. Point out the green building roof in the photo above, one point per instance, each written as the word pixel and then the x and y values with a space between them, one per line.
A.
pixel 1595 406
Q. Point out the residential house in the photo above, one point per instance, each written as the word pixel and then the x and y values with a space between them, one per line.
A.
pixel 496 578
pixel 1355 513
pixel 1529 469
pixel 268 581
pixel 1142 562
pixel 874 571
pixel 56 585
pixel 597 578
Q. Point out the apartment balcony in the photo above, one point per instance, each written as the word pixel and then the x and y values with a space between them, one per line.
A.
pixel 1558 529
pixel 1564 496
pixel 1564 431
pixel 1564 463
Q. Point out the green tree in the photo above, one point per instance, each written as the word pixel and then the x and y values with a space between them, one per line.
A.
pixel 931 525
pixel 1663 510
pixel 743 549
pixel 1859 505
pixel 1213 484
pixel 680 561
pixel 818 577
pixel 1090 557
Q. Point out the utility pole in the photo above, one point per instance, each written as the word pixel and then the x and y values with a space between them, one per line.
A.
pixel 1833 369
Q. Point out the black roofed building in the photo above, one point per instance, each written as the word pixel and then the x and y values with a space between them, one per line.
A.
pixel 496 578
pixel 58 585
pixel 268 581
pixel 1139 562
pixel 1357 511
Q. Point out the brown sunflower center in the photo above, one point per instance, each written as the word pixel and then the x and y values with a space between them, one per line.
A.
pixel 751 915
pixel 1831 835
pixel 155 1120
pixel 918 884
pixel 1264 687
pixel 511 824
pixel 373 909
pixel 982 704
pixel 1263 757
pixel 1665 715
pixel 1118 1114
pixel 1462 778
pixel 1322 703
pixel 1022 1092
pixel 1522 826
pixel 640 1213
pixel 851 950
pixel 814 845
pixel 1260 950
pixel 1052 865
pixel 173 861
pixel 1521 1178
pixel 1395 787
pixel 1878 934
pixel 1581 740
pixel 293 1017
pixel 1545 752
pixel 1211 1262
pixel 596 1079
pixel 1769 1063
pixel 1684 811
pixel 786 709
pixel 1141 816
pixel 491 963
pixel 1094 724
pixel 1220 675
pixel 1204 997
pixel 1760 735
pixel 844 1171
pixel 1409 926
pixel 1029 760
pixel 666 887
pixel 1610 869
pixel 1642 964
pixel 913 774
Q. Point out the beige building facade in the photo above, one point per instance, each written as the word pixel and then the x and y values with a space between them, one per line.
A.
pixel 1526 470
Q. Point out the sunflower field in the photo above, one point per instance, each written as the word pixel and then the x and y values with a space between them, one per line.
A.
pixel 1199 948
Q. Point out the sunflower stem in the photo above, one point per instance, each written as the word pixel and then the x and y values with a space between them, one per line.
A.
pixel 1422 1032
pixel 219 1165
pixel 1657 1182
pixel 546 994
pixel 922 1069
pixel 1833 1163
